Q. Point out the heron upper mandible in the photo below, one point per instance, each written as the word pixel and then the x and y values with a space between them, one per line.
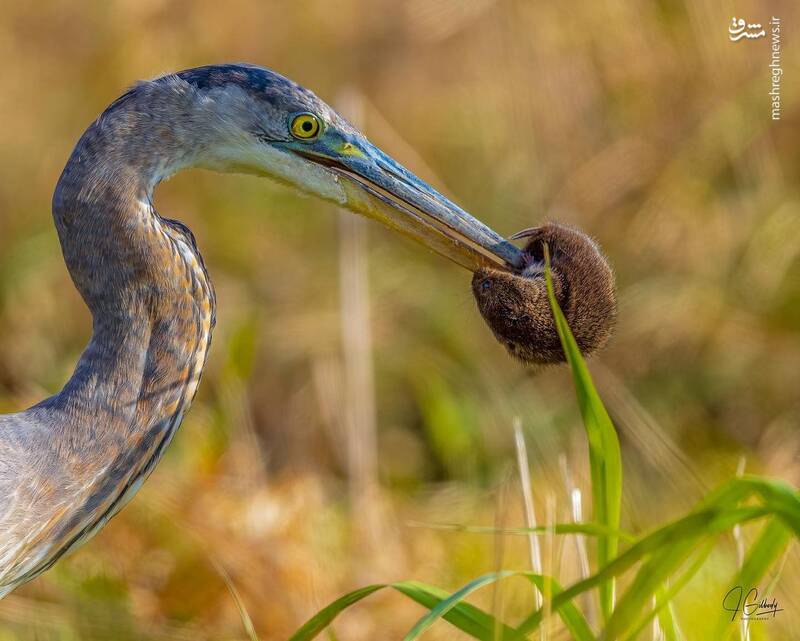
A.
pixel 71 462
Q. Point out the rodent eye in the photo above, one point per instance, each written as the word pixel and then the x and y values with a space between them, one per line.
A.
pixel 305 126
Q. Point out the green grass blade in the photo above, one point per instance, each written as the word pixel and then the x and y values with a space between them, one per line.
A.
pixel 780 497
pixel 666 619
pixel 465 617
pixel 446 605
pixel 706 522
pixel 324 617
pixel 605 460
pixel 665 595
pixel 569 613
pixel 571 616
pixel 769 546
pixel 649 579
pixel 589 529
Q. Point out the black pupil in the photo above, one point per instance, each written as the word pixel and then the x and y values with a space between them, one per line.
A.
pixel 307 125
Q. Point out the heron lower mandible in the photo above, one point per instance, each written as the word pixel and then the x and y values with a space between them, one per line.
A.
pixel 68 464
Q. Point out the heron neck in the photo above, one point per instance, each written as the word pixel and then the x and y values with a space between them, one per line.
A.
pixel 145 284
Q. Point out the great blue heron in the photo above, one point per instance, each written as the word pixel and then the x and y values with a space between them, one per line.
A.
pixel 68 464
pixel 71 462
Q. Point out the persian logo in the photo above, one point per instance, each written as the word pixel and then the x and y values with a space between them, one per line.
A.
pixel 741 29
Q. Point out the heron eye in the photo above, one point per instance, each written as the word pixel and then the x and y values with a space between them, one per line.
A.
pixel 305 126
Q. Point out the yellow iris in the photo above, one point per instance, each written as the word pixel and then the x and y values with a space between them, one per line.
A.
pixel 305 126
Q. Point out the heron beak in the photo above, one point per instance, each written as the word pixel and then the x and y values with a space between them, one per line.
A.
pixel 379 187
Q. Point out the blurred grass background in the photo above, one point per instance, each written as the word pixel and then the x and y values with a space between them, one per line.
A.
pixel 315 449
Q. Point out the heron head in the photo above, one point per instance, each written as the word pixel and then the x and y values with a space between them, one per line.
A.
pixel 267 125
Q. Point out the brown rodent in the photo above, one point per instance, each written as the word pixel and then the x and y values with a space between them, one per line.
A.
pixel 516 308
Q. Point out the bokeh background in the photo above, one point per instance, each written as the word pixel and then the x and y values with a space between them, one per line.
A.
pixel 353 398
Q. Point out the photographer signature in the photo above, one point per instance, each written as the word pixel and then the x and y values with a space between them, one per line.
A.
pixel 748 605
